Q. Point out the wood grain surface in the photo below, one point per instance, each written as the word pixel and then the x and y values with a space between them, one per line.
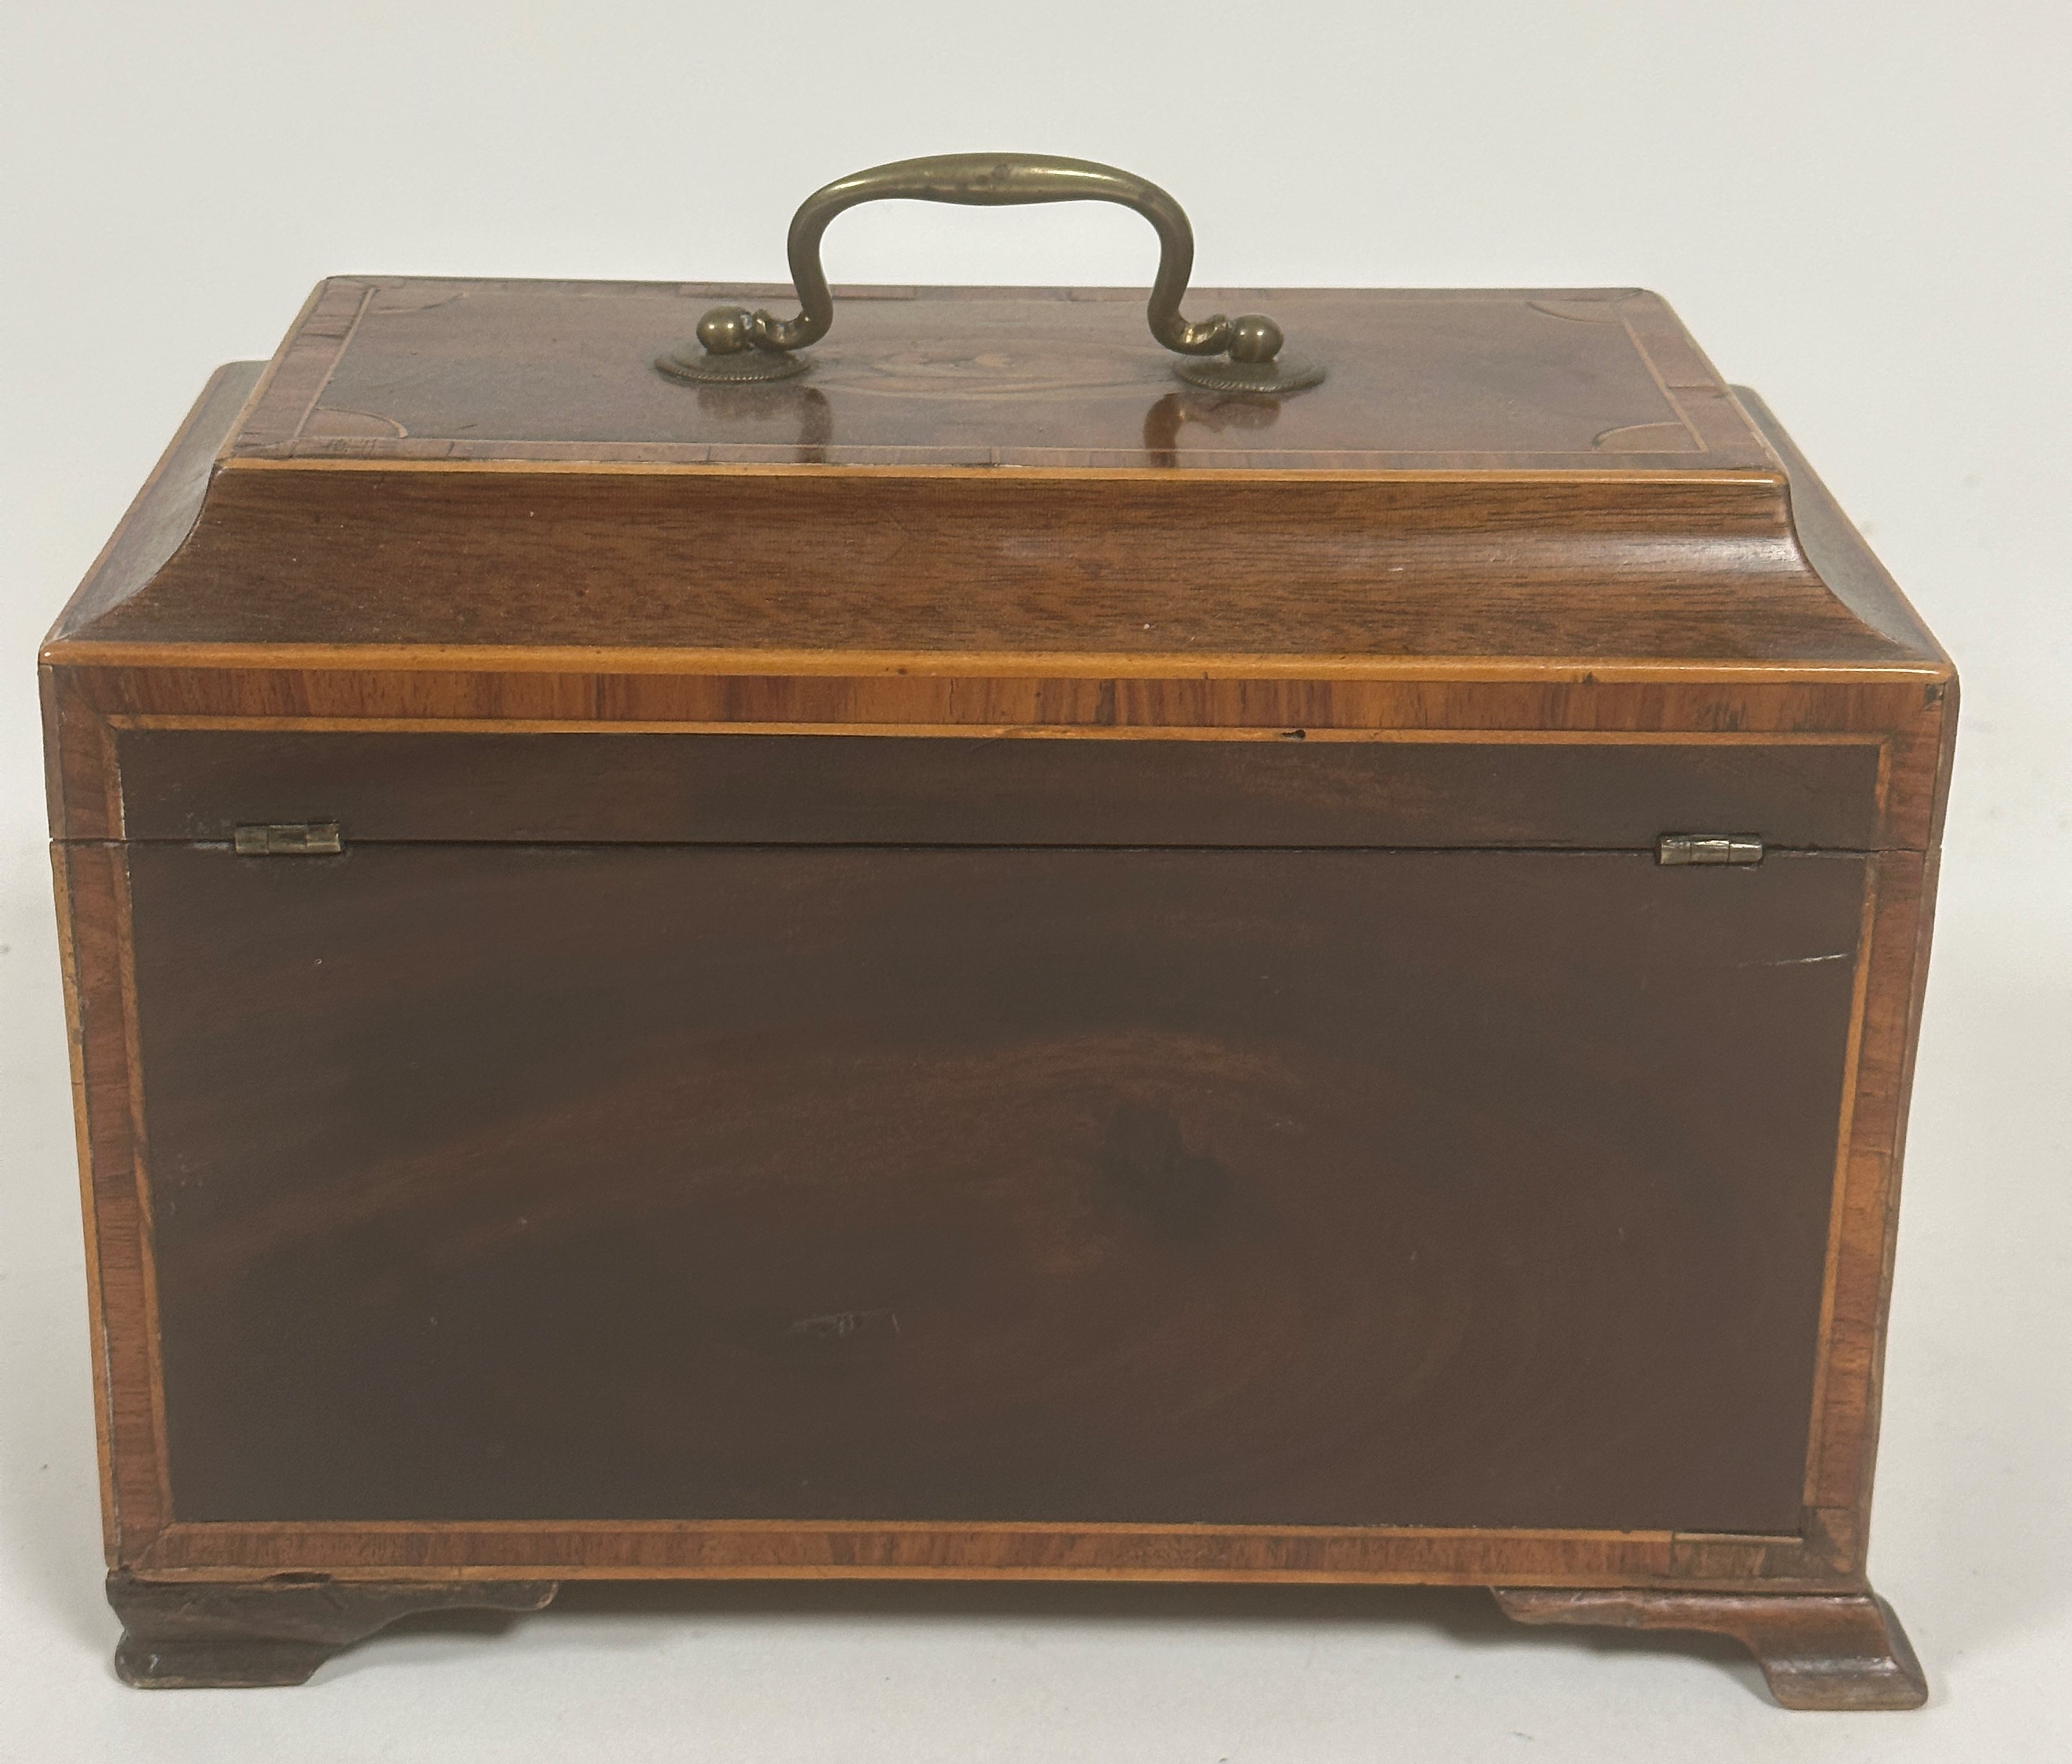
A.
pixel 1139 565
pixel 314 1117
pixel 1824 1548
pixel 1844 1651
pixel 188 783
pixel 237 1637
pixel 1469 488
pixel 1285 1187
pixel 439 371
pixel 89 709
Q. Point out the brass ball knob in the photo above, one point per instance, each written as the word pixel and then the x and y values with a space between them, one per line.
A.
pixel 727 330
pixel 1254 337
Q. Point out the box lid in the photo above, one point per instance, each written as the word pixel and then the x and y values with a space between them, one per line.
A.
pixel 1554 475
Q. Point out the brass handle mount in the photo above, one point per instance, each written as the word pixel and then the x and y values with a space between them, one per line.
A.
pixel 1240 355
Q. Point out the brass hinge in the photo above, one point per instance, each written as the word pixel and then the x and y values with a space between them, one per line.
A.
pixel 296 839
pixel 1708 849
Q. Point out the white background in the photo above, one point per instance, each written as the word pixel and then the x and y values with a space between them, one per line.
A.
pixel 1861 209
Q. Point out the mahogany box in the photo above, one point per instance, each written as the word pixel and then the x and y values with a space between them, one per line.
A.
pixel 947 954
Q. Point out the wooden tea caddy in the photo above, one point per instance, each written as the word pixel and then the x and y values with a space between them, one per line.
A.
pixel 957 955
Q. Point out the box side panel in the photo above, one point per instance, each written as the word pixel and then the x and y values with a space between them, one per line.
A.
pixel 1268 1188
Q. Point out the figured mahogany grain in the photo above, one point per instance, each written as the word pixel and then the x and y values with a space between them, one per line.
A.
pixel 188 783
pixel 1523 473
pixel 1579 586
pixel 1301 1188
pixel 164 509
pixel 1135 566
pixel 441 370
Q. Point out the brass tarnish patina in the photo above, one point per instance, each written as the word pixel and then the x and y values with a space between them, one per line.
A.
pixel 1239 355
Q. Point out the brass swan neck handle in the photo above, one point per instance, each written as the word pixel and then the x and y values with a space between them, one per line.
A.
pixel 738 345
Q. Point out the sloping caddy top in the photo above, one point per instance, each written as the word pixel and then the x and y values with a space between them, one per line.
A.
pixel 1001 472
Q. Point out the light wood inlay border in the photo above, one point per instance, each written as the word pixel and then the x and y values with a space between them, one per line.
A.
pixel 1084 666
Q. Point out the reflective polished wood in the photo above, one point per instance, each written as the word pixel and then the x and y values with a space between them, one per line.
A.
pixel 977 964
